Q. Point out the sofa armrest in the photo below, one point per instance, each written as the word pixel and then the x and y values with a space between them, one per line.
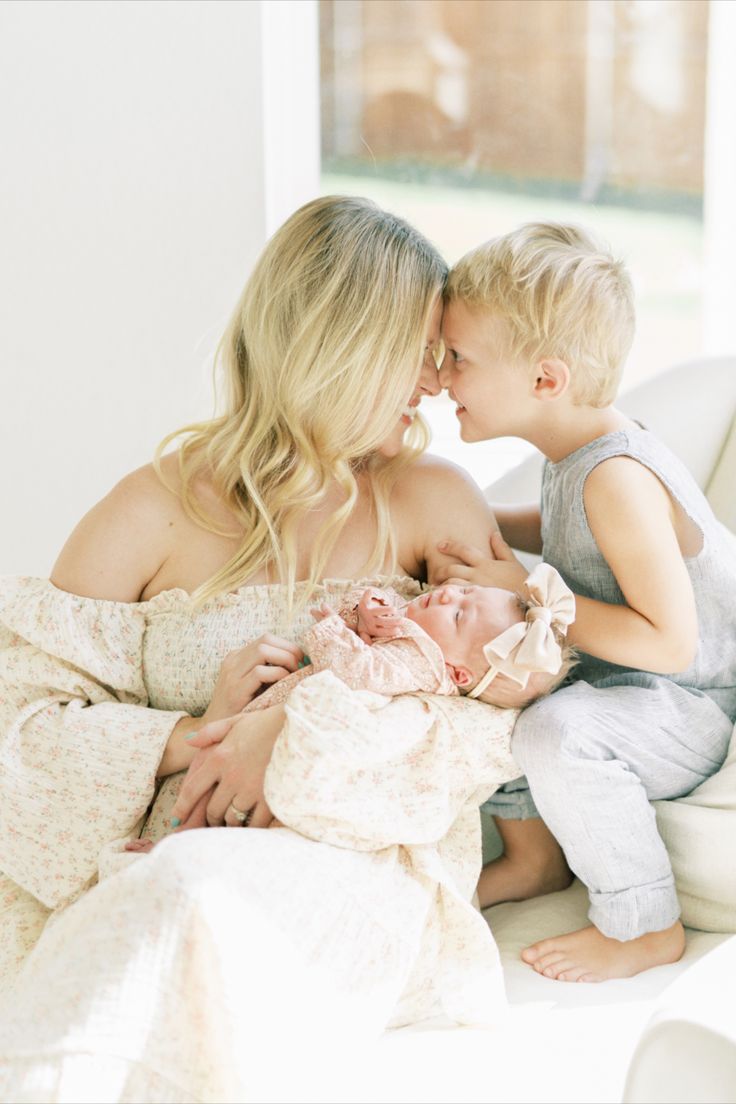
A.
pixel 687 1052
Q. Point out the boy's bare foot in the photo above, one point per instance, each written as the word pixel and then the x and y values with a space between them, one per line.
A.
pixel 532 864
pixel 589 955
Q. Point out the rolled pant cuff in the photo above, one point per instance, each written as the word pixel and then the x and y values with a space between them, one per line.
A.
pixel 634 912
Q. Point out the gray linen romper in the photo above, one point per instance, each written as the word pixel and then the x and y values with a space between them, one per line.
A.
pixel 598 751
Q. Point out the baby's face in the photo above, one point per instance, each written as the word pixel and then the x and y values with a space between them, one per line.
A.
pixel 461 619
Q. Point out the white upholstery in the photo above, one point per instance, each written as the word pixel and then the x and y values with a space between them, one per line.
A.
pixel 720 490
pixel 688 1051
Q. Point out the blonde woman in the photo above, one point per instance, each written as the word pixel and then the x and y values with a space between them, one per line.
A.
pixel 308 475
pixel 170 605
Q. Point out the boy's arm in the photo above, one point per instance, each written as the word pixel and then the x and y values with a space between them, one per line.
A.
pixel 632 518
pixel 521 526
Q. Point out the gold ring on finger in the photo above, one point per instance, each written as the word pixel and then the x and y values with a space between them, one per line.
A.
pixel 240 816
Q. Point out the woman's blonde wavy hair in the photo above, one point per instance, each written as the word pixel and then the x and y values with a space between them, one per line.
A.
pixel 319 359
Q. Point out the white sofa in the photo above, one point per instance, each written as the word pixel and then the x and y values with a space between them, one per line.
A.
pixel 670 1033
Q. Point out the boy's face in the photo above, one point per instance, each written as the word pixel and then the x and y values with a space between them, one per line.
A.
pixel 491 391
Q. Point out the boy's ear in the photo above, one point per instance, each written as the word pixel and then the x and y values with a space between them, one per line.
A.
pixel 551 379
pixel 461 676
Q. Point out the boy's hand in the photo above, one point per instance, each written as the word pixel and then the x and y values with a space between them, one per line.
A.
pixel 498 567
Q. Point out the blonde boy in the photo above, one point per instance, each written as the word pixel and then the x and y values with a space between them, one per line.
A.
pixel 537 327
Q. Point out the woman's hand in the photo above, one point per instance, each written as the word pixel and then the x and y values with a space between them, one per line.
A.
pixel 497 568
pixel 228 772
pixel 247 670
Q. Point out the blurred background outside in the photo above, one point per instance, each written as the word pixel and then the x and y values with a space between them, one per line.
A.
pixel 468 117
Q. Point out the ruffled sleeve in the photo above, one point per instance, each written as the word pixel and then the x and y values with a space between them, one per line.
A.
pixel 79 746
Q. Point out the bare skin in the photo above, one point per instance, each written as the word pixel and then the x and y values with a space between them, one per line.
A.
pixel 589 955
pixel 532 864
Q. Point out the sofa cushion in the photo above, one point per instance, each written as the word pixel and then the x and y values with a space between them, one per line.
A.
pixel 699 831
pixel 720 489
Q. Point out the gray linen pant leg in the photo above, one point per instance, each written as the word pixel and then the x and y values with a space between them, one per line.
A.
pixel 596 756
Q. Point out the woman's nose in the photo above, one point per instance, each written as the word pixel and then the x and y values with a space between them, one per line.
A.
pixel 429 383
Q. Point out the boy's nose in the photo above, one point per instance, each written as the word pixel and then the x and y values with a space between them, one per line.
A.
pixel 443 375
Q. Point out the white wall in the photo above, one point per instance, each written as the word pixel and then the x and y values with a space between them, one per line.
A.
pixel 133 179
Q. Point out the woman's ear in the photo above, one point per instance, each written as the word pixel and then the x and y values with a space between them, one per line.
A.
pixel 461 676
pixel 551 379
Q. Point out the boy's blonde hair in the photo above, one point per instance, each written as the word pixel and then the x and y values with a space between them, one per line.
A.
pixel 321 355
pixel 562 295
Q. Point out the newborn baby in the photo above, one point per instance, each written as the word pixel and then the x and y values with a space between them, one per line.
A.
pixel 492 644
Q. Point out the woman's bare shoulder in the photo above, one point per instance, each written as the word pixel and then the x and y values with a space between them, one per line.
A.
pixel 433 477
pixel 434 500
pixel 118 547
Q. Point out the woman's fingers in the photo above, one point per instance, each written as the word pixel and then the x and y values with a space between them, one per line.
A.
pixel 261 816
pixel 233 771
pixel 260 675
pixel 198 816
pixel 196 784
pixel 236 816
pixel 219 806
pixel 243 660
pixel 211 733
pixel 257 816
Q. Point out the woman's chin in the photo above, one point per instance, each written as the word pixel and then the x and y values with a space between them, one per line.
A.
pixel 393 444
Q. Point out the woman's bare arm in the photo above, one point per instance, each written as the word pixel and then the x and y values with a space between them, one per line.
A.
pixel 113 553
pixel 118 547
pixel 435 501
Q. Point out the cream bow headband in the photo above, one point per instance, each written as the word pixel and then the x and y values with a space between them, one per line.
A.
pixel 530 646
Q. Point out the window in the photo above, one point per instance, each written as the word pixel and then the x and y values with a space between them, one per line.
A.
pixel 470 116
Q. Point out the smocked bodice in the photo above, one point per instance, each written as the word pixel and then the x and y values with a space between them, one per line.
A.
pixel 183 648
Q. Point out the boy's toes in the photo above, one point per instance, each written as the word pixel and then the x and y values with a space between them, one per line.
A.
pixel 538 950
pixel 571 973
pixel 548 962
